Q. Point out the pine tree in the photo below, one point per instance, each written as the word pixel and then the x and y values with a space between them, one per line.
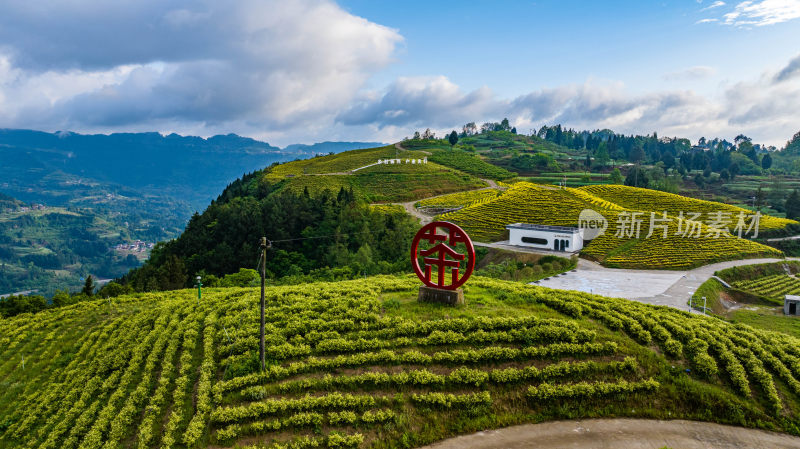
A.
pixel 766 161
pixel 88 286
pixel 452 138
pixel 793 205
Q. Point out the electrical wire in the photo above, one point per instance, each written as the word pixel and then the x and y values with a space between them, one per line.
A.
pixel 321 237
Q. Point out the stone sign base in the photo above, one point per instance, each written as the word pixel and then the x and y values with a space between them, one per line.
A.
pixel 450 297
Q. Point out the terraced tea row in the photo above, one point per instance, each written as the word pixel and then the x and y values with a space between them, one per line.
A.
pixel 362 363
pixel 460 199
pixel 772 287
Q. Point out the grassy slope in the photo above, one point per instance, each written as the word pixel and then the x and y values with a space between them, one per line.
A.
pixel 752 311
pixel 379 183
pixel 162 370
pixel 532 203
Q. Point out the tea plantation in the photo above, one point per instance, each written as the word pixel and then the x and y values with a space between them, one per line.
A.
pixel 363 364
pixel 674 242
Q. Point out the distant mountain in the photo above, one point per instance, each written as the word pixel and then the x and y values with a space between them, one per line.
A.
pixel 331 147
pixel 189 168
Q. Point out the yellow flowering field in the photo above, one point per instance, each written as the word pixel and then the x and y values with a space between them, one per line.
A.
pixel 685 245
pixel 653 200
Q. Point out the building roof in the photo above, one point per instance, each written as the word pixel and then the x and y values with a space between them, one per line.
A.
pixel 538 227
pixel 792 298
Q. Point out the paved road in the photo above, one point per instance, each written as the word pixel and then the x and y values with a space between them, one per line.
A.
pixel 794 237
pixel 23 293
pixel 660 287
pixel 621 434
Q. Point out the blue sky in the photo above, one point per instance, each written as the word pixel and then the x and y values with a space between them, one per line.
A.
pixel 516 47
pixel 306 71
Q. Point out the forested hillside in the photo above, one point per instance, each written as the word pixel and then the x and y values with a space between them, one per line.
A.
pixel 189 168
pixel 309 234
pixel 44 249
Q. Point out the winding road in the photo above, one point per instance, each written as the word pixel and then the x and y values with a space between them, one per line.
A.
pixel 425 218
pixel 621 434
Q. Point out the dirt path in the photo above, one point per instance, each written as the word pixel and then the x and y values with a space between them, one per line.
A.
pixel 424 218
pixel 621 434
pixel 401 148
pixel 409 207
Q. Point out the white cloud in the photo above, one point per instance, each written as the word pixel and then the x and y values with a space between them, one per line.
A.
pixel 791 70
pixel 706 21
pixel 260 64
pixel 761 108
pixel 716 4
pixel 691 73
pixel 406 100
pixel 290 71
pixel 761 13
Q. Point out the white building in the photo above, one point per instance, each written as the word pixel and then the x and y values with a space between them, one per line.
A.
pixel 790 303
pixel 553 238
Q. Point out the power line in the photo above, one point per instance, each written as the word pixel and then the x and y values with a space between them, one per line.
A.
pixel 322 236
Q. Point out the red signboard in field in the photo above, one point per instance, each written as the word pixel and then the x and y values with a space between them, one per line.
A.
pixel 450 267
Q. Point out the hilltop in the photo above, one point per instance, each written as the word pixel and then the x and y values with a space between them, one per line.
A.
pixel 318 212
pixel 363 364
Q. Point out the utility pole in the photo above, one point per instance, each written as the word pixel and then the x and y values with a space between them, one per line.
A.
pixel 261 343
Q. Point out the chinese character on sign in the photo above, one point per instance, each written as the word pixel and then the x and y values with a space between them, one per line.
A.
pixel 443 256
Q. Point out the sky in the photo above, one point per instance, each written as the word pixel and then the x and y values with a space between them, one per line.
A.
pixel 305 71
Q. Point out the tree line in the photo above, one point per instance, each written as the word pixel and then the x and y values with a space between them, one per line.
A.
pixel 329 235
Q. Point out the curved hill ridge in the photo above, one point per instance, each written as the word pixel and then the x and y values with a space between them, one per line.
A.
pixel 645 199
pixel 362 363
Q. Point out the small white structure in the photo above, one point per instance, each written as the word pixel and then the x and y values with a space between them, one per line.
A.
pixel 791 305
pixel 553 238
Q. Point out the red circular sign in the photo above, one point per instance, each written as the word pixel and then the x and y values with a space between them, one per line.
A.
pixel 442 256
